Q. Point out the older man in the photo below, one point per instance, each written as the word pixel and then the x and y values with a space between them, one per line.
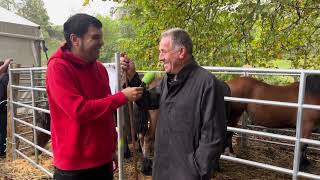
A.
pixel 191 126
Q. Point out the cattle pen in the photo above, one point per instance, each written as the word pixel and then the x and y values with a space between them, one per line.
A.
pixel 35 88
pixel 300 106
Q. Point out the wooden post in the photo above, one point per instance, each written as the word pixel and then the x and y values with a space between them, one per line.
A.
pixel 11 125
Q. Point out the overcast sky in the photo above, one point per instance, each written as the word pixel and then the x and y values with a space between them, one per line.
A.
pixel 60 10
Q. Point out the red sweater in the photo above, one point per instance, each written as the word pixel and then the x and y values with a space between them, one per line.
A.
pixel 81 107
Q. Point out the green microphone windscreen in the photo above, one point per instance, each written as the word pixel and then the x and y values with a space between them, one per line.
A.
pixel 148 77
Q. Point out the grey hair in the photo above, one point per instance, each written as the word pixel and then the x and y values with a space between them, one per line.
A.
pixel 179 38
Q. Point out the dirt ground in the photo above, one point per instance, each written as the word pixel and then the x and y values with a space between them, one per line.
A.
pixel 21 169
pixel 257 151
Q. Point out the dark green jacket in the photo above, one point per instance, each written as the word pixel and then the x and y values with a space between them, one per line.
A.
pixel 191 126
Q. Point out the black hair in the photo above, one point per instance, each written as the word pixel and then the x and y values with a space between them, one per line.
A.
pixel 78 24
pixel 179 37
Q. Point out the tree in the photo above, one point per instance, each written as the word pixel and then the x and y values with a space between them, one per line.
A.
pixel 32 10
pixel 35 11
pixel 116 33
pixel 111 34
pixel 229 33
pixel 8 4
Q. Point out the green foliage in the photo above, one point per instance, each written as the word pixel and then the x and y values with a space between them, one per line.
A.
pixel 53 40
pixel 56 32
pixel 116 34
pixel 110 36
pixel 228 33
pixel 52 45
pixel 277 80
pixel 35 11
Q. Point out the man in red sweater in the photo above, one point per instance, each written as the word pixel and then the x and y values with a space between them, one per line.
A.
pixel 81 105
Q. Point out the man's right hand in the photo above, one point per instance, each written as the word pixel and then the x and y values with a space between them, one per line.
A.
pixel 127 66
pixel 8 61
pixel 4 66
pixel 132 93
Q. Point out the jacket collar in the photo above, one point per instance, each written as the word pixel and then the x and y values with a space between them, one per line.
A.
pixel 183 73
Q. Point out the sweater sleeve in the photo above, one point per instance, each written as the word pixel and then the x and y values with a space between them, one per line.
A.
pixel 63 91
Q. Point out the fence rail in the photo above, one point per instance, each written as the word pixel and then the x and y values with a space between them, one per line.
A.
pixel 216 70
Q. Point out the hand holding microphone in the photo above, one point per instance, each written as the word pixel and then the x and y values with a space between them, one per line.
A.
pixel 134 93
pixel 8 61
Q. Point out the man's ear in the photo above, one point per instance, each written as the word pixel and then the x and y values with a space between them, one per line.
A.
pixel 74 40
pixel 182 53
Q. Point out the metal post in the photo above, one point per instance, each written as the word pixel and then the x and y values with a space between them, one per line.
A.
pixel 244 120
pixel 14 155
pixel 120 120
pixel 297 153
pixel 244 138
pixel 34 116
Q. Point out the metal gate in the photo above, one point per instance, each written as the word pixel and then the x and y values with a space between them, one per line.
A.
pixel 300 107
pixel 23 114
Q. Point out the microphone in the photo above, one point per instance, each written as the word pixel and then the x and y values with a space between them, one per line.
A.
pixel 147 79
